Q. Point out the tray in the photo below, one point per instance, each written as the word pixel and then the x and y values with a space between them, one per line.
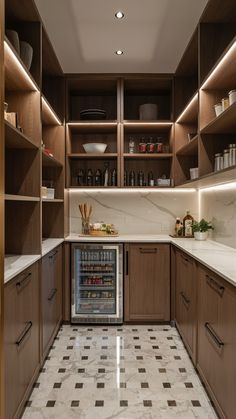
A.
pixel 181 237
pixel 99 235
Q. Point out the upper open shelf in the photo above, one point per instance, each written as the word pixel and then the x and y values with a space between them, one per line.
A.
pixel 49 116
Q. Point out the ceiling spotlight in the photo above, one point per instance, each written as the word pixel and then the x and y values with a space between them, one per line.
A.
pixel 119 52
pixel 119 15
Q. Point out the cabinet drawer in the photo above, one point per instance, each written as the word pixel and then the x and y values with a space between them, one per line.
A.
pixel 21 336
pixel 217 338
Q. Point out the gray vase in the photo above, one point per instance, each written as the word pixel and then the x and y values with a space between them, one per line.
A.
pixel 26 54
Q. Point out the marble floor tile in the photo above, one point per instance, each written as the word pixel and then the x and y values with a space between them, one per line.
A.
pixel 124 372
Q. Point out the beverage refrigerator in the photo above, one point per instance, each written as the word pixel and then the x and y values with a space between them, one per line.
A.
pixel 97 283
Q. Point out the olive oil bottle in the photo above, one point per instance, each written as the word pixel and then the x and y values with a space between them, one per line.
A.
pixel 188 224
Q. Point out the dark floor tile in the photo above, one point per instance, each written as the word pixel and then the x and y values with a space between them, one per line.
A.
pixel 84 358
pixel 134 330
pixel 196 403
pixel 162 370
pixel 104 337
pixel 36 385
pixel 139 358
pixel 153 337
pixel 72 338
pixel 75 403
pixel 158 357
pixel 104 347
pixel 48 358
pixel 101 370
pixel 169 338
pixel 188 385
pixel 69 347
pixel 182 369
pixel 81 370
pixel 144 385
pixel 177 357
pixel 57 385
pixel 50 403
pixel 141 370
pixel 105 330
pixel 122 370
pixel 86 347
pixel 147 403
pixel 166 385
pixel 66 358
pixel 150 330
pixel 103 357
pixel 136 337
pixel 28 403
pixel 119 330
pixel 173 347
pixel 79 385
pixel 75 330
pixel 122 357
pixel 123 403
pixel 100 385
pixel 42 369
pixel 122 385
pixel 155 347
pixel 61 370
pixel 89 338
pixel 171 403
pixel 137 347
pixel 99 403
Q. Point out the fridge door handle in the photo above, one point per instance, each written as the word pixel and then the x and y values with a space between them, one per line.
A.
pixel 127 262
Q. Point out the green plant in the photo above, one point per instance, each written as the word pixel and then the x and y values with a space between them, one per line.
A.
pixel 202 226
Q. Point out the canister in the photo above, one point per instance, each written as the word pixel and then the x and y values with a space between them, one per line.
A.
pixel 232 96
pixel 226 158
pixel 225 103
pixel 232 154
pixel 218 162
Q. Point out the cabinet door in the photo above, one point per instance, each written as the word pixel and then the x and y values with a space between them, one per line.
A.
pixel 147 287
pixel 21 337
pixel 186 288
pixel 217 339
pixel 57 260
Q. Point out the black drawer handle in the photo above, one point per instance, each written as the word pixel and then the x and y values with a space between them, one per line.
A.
pixel 53 293
pixel 148 250
pixel 186 259
pixel 185 299
pixel 213 335
pixel 24 333
pixel 215 285
pixel 53 255
pixel 127 262
pixel 19 284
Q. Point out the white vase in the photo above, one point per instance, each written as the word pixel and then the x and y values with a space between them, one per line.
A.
pixel 200 235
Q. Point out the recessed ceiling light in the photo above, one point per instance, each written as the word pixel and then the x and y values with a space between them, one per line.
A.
pixel 119 15
pixel 119 52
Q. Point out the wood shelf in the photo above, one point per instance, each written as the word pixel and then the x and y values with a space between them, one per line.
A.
pixel 146 126
pixel 148 156
pixel 49 116
pixel 222 124
pixel 189 115
pixel 189 149
pixel 9 197
pixel 16 139
pixel 103 126
pixel 92 155
pixel 212 179
pixel 49 161
pixel 17 77
pixel 53 201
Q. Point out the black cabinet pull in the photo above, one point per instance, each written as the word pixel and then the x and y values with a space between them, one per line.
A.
pixel 215 285
pixel 24 333
pixel 53 293
pixel 148 250
pixel 53 255
pixel 213 335
pixel 186 259
pixel 19 284
pixel 127 262
pixel 185 299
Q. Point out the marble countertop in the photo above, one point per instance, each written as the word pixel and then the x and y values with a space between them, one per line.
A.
pixel 219 258
pixel 14 265
pixel 50 244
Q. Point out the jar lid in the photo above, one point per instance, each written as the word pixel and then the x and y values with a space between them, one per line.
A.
pixel 226 150
pixel 232 145
pixel 232 91
pixel 218 154
pixel 218 104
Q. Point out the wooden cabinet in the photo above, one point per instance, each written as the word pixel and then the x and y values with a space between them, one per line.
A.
pixel 21 338
pixel 147 282
pixel 185 300
pixel 51 296
pixel 217 340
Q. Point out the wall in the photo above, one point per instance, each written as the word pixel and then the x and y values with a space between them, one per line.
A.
pixel 135 212
pixel 219 205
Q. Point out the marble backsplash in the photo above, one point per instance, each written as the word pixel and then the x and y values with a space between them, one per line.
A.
pixel 134 212
pixel 219 206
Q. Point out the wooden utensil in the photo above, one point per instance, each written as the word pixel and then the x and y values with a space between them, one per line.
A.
pixel 85 210
pixel 90 210
pixel 81 210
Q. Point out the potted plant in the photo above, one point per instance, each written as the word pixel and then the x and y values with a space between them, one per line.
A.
pixel 200 229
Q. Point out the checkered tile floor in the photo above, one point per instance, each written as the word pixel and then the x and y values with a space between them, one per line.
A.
pixel 140 372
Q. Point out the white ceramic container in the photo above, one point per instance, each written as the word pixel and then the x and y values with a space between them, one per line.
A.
pixel 95 147
pixel 198 235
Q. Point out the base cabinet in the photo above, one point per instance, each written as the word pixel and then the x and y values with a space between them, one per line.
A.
pixel 22 356
pixel 217 340
pixel 147 282
pixel 51 296
pixel 185 300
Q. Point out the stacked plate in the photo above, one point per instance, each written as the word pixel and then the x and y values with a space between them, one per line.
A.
pixel 93 114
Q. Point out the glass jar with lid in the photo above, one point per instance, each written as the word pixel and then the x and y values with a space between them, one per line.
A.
pixel 219 164
pixel 232 154
pixel 226 158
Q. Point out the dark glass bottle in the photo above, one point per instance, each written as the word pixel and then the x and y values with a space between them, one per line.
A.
pixel 106 175
pixel 125 178
pixel 80 178
pixel 89 178
pixel 131 178
pixel 98 178
pixel 150 179
pixel 140 178
pixel 113 178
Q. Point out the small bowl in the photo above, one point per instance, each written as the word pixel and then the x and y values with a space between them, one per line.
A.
pixel 95 147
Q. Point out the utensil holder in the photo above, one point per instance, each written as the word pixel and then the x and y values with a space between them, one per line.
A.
pixel 85 226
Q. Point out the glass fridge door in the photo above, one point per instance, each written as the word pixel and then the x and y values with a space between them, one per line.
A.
pixel 96 280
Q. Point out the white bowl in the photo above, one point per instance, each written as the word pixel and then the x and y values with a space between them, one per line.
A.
pixel 95 147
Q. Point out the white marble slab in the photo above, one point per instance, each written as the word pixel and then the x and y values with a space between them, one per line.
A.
pixel 15 264
pixel 50 244
pixel 121 238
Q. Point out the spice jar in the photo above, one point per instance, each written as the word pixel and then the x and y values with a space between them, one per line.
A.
pixel 142 146
pixel 225 103
pixel 232 154
pixel 232 97
pixel 226 158
pixel 131 145
pixel 150 146
pixel 218 162
pixel 159 147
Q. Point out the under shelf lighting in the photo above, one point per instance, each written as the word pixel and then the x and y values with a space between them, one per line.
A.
pixel 155 124
pixel 129 190
pixel 119 52
pixel 221 187
pixel 119 15
pixel 20 66
pixel 49 108
pixel 185 111
pixel 232 50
